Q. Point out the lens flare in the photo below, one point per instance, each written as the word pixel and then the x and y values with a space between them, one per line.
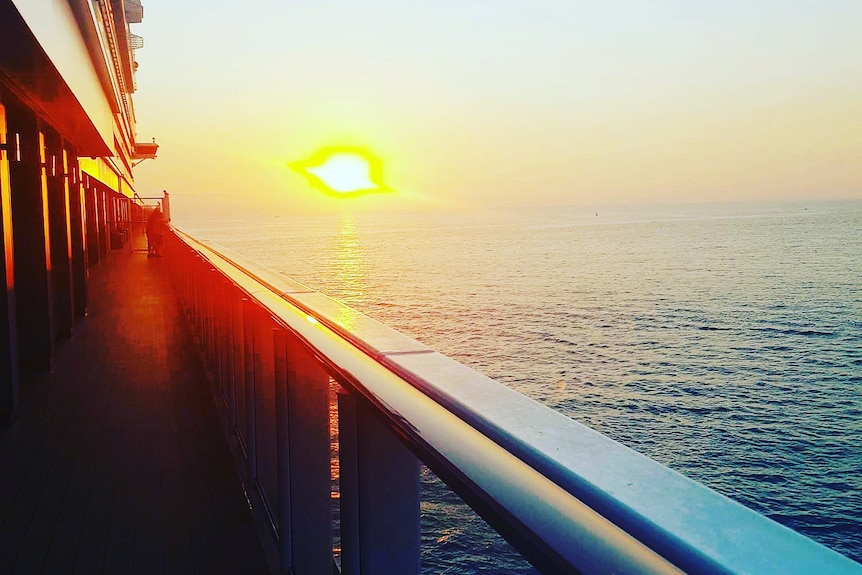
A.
pixel 343 171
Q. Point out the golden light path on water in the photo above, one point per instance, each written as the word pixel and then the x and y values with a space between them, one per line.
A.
pixel 349 268
pixel 343 171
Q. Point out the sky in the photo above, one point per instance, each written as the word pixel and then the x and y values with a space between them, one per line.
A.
pixel 486 103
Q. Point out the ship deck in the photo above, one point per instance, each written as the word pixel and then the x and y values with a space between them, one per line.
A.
pixel 116 461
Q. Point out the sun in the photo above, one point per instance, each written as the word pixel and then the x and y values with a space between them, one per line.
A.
pixel 343 171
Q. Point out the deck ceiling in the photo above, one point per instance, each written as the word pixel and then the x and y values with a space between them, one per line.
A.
pixel 27 71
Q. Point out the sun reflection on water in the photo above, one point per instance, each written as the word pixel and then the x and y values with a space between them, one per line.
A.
pixel 349 270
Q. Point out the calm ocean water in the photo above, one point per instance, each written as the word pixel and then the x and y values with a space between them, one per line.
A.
pixel 724 341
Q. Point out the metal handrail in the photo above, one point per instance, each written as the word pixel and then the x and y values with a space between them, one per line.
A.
pixel 567 497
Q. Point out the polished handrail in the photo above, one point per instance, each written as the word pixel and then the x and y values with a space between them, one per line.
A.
pixel 568 497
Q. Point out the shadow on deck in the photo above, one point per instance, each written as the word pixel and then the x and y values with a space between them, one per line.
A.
pixel 116 461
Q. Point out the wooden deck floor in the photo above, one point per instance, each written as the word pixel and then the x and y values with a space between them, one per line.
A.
pixel 116 462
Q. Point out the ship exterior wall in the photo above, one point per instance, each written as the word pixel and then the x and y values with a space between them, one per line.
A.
pixel 60 234
pixel 67 134
pixel 9 376
pixel 77 236
pixel 32 242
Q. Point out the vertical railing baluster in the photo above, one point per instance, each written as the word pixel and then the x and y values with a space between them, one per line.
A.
pixel 249 317
pixel 213 289
pixel 193 296
pixel 238 346
pixel 229 349
pixel 285 555
pixel 206 318
pixel 190 301
pixel 203 320
pixel 348 483
pixel 194 269
pixel 212 348
pixel 379 484
pixel 190 286
pixel 218 295
pixel 198 299
pixel 264 409
pixel 258 357
pixel 309 467
pixel 221 330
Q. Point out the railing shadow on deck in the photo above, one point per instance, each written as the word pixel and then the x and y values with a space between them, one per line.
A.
pixel 569 499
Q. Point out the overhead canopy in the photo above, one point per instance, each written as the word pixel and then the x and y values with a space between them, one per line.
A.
pixel 72 100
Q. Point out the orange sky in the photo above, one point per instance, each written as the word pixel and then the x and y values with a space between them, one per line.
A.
pixel 472 103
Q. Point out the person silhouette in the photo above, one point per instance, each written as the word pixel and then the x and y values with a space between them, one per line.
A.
pixel 155 233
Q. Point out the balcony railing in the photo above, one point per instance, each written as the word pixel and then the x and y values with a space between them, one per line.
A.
pixel 568 498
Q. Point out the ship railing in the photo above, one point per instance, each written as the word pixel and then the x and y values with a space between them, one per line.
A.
pixel 568 498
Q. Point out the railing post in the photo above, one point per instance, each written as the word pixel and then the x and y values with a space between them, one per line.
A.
pixel 166 205
pixel 309 461
pixel 348 483
pixel 211 323
pixel 221 323
pixel 230 353
pixel 285 537
pixel 238 347
pixel 249 317
pixel 222 287
pixel 214 358
pixel 265 433
pixel 379 483
pixel 197 272
pixel 191 262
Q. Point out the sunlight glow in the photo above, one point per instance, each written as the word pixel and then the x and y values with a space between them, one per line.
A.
pixel 343 171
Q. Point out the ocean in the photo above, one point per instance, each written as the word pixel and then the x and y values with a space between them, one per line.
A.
pixel 722 340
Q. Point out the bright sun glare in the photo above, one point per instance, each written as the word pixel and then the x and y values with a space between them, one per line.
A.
pixel 343 171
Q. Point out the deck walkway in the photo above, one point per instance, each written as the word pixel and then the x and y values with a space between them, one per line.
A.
pixel 117 462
